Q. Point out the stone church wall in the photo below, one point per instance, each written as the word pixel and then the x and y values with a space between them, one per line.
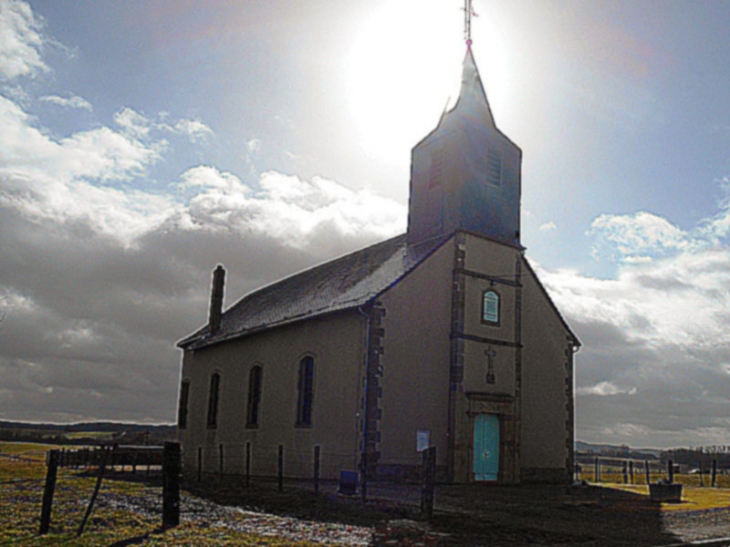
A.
pixel 415 360
pixel 335 342
pixel 546 403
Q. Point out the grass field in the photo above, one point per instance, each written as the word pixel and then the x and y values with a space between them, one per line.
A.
pixel 22 476
pixel 128 512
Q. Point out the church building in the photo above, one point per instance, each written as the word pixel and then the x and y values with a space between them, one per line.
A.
pixel 443 336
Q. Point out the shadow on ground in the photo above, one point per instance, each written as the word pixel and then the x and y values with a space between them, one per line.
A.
pixel 467 515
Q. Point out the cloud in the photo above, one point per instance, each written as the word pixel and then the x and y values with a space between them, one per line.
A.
pixel 653 366
pixel 73 101
pixel 133 123
pixel 548 226
pixel 603 389
pixel 99 280
pixel 21 41
pixel 254 146
pixel 28 153
pixel 196 130
pixel 624 236
pixel 292 210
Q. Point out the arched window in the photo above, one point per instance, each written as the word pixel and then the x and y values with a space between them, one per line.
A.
pixel 182 409
pixel 255 377
pixel 215 381
pixel 306 392
pixel 490 307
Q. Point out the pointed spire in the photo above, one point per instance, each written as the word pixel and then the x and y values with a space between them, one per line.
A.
pixel 472 98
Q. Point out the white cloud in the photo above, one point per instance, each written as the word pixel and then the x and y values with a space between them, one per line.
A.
pixel 603 389
pixel 73 101
pixel 21 40
pixel 288 208
pixel 623 236
pixel 254 146
pixel 132 122
pixel 27 152
pixel 194 129
pixel 548 226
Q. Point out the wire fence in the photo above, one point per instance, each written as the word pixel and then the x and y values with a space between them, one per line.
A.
pixel 604 469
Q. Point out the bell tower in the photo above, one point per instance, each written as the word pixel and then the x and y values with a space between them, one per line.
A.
pixel 466 173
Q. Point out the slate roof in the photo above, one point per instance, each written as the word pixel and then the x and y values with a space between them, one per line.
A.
pixel 340 284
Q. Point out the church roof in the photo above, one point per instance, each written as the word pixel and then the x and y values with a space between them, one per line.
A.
pixel 340 284
pixel 472 103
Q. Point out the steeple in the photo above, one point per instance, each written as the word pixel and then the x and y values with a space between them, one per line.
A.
pixel 466 173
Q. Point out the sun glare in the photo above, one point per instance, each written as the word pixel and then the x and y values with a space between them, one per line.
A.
pixel 405 64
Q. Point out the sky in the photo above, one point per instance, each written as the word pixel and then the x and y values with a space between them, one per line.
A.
pixel 144 142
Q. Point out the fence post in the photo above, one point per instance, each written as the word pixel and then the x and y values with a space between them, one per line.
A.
pixel 428 480
pixel 648 472
pixel 597 470
pixel 364 477
pixel 47 507
pixel 702 480
pixel 200 463
pixel 90 508
pixel 625 471
pixel 316 468
pixel 670 471
pixel 281 468
pixel 220 462
pixel 171 485
pixel 714 473
pixel 631 471
pixel 248 464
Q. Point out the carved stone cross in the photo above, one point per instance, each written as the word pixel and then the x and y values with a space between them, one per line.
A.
pixel 491 354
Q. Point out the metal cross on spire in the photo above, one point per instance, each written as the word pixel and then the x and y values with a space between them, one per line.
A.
pixel 468 13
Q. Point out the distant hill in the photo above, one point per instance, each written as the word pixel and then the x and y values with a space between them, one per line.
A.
pixel 612 449
pixel 88 432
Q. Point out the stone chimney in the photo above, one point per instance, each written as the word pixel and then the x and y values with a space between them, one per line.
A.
pixel 216 299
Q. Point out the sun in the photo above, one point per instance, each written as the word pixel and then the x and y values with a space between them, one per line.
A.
pixel 403 66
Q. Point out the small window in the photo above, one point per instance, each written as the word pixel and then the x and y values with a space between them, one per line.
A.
pixel 254 396
pixel 182 409
pixel 490 307
pixel 436 169
pixel 306 392
pixel 494 168
pixel 215 381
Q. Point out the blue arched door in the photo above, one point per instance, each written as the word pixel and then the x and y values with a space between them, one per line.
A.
pixel 486 447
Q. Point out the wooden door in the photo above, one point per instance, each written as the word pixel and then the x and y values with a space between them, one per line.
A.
pixel 486 447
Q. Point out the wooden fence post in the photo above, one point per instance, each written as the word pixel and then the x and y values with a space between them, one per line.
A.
pixel 171 485
pixel 701 472
pixel 50 487
pixel 248 464
pixel 281 468
pixel 316 468
pixel 631 471
pixel 102 467
pixel 670 471
pixel 597 470
pixel 428 481
pixel 364 477
pixel 200 463
pixel 625 471
pixel 714 473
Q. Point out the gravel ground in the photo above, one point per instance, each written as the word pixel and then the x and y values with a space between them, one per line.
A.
pixel 464 516
pixel 195 509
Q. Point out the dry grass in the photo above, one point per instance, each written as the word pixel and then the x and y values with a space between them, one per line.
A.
pixel 693 498
pixel 22 477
